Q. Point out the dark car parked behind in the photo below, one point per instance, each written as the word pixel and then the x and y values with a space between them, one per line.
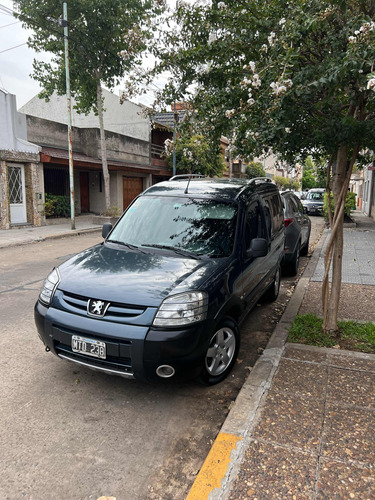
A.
pixel 297 231
pixel 164 294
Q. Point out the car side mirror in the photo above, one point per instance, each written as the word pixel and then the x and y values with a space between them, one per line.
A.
pixel 258 248
pixel 106 229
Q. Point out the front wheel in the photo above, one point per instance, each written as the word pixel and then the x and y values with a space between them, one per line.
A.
pixel 221 353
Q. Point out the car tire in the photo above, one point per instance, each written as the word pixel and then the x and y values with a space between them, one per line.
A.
pixel 273 292
pixel 293 265
pixel 305 249
pixel 221 353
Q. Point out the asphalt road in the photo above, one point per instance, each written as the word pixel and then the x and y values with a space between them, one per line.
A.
pixel 69 433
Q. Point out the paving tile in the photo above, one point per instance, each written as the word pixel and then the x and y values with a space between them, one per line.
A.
pixel 349 434
pixel 291 421
pixel 352 362
pixel 351 387
pixel 301 354
pixel 301 379
pixel 360 309
pixel 271 472
pixel 357 259
pixel 339 481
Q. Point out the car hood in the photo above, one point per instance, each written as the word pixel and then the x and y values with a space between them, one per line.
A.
pixel 132 277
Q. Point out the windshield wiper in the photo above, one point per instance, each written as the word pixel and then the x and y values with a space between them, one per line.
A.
pixel 128 245
pixel 179 251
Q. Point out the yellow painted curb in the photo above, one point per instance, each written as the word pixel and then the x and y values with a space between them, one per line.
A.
pixel 215 467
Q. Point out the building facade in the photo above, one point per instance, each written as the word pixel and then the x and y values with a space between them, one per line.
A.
pixel 128 143
pixel 21 173
pixel 369 190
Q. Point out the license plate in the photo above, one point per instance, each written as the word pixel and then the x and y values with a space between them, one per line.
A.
pixel 90 347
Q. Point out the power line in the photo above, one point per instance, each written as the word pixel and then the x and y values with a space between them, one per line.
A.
pixel 11 24
pixel 11 48
pixel 5 10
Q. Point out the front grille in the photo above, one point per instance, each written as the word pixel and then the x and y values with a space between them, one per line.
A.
pixel 79 303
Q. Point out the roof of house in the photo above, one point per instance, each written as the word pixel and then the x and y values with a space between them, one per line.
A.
pixel 167 119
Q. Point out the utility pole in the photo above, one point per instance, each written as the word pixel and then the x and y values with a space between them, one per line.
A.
pixel 230 160
pixel 64 24
pixel 175 121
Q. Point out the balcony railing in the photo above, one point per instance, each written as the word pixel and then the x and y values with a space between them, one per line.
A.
pixel 156 151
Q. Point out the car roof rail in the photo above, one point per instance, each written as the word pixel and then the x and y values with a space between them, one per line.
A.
pixel 260 179
pixel 187 176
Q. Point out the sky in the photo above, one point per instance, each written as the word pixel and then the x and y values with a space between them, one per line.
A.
pixel 16 60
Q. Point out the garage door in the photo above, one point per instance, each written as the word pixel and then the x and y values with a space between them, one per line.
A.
pixel 132 187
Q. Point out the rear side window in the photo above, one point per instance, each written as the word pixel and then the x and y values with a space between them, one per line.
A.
pixel 293 205
pixel 275 207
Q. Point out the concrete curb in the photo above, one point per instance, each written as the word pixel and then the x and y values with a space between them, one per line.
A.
pixel 223 462
pixel 75 232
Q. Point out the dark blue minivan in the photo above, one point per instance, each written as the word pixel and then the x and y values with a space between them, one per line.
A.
pixel 162 296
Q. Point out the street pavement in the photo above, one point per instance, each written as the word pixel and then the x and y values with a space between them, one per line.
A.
pixel 303 425
pixel 29 234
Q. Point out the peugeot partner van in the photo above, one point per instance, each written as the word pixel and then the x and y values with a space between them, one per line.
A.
pixel 165 292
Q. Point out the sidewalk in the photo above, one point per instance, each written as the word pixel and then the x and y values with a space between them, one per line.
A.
pixel 303 425
pixel 23 235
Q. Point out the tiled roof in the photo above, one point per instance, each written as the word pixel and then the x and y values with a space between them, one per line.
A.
pixel 167 119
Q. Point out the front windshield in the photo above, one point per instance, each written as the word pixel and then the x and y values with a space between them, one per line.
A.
pixel 315 196
pixel 200 227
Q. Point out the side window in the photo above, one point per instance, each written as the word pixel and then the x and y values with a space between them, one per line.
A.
pixel 293 205
pixel 254 223
pixel 274 204
pixel 300 207
pixel 268 219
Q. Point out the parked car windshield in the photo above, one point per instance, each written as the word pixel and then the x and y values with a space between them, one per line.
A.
pixel 201 227
pixel 316 196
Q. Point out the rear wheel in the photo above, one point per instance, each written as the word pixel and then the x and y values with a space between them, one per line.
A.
pixel 273 292
pixel 305 249
pixel 221 353
pixel 294 263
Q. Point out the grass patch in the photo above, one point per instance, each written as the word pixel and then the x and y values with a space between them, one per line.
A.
pixel 353 336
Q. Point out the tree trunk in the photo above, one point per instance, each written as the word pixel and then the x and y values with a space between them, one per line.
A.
pixel 103 147
pixel 334 251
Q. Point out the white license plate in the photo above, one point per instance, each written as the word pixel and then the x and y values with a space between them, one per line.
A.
pixel 89 347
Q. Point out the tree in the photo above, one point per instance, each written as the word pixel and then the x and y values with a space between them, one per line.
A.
pixel 255 169
pixel 194 154
pixel 292 77
pixel 106 39
pixel 281 182
pixel 308 180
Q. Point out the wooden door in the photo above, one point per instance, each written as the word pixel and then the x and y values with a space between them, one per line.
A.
pixel 84 191
pixel 132 187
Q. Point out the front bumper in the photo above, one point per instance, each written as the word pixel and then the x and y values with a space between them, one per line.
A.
pixel 133 351
pixel 318 210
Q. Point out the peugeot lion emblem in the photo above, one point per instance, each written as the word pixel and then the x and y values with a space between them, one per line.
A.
pixel 97 308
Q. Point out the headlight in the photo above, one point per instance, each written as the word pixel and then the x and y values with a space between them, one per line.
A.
pixel 182 309
pixel 49 287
